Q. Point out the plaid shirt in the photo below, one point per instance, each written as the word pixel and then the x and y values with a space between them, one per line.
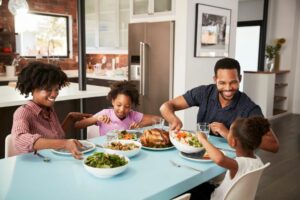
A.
pixel 31 122
pixel 210 110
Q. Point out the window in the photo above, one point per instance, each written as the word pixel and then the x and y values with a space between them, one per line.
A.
pixel 43 35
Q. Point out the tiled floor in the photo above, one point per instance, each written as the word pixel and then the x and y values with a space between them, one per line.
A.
pixel 281 181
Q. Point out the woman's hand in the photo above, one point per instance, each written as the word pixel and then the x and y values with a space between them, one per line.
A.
pixel 104 119
pixel 73 146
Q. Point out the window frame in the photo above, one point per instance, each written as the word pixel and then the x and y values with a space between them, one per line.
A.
pixel 67 34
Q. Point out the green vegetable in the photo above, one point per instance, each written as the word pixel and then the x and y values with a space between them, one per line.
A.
pixel 103 160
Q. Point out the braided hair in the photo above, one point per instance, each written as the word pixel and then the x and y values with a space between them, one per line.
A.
pixel 39 75
pixel 127 88
pixel 249 131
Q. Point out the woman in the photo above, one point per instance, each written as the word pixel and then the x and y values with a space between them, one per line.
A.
pixel 35 124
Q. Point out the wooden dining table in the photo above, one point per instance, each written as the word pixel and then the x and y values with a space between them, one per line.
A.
pixel 150 175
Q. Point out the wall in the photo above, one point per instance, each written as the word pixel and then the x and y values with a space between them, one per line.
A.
pixel 283 21
pixel 189 71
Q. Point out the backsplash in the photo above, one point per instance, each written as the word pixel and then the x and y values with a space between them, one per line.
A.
pixel 106 60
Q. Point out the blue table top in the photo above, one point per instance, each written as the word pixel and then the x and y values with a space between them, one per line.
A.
pixel 150 175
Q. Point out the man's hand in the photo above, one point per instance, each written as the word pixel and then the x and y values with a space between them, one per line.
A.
pixel 175 124
pixel 219 128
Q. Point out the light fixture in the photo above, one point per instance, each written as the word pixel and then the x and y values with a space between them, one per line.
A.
pixel 17 7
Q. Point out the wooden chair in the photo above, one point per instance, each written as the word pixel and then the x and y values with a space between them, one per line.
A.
pixel 246 186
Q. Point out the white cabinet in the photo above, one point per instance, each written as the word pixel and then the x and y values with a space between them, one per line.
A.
pixel 269 90
pixel 107 26
pixel 151 10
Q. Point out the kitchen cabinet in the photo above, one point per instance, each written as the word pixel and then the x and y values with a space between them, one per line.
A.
pixel 107 26
pixel 272 93
pixel 95 81
pixel 143 9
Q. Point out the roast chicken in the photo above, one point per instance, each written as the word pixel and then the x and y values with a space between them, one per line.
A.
pixel 156 138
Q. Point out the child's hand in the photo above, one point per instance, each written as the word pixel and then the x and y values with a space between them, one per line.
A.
pixel 201 136
pixel 103 118
pixel 134 125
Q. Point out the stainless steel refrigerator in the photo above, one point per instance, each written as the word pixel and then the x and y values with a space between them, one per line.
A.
pixel 150 55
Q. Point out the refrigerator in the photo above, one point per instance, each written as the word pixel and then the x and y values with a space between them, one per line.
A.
pixel 150 58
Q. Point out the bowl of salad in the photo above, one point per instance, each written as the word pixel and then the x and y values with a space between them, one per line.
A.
pixel 185 141
pixel 105 165
pixel 127 148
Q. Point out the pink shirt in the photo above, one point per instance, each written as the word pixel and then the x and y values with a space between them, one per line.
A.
pixel 116 123
pixel 31 122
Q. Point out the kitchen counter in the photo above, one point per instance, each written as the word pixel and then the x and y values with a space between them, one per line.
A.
pixel 12 97
pixel 74 74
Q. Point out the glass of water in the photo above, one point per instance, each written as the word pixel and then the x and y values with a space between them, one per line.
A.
pixel 111 135
pixel 204 128
pixel 159 123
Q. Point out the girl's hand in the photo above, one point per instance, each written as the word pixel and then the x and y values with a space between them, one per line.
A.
pixel 104 118
pixel 76 116
pixel 201 136
pixel 134 125
pixel 72 146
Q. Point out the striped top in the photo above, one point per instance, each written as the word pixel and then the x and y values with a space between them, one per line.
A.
pixel 31 122
pixel 210 110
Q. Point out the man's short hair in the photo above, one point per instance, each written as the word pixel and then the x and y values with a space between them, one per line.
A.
pixel 227 63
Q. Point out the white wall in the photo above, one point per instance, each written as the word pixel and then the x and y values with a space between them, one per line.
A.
pixel 283 21
pixel 250 10
pixel 189 71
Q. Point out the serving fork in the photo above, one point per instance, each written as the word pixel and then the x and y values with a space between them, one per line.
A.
pixel 186 166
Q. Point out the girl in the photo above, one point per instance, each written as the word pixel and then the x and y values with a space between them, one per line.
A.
pixel 123 95
pixel 245 136
pixel 35 124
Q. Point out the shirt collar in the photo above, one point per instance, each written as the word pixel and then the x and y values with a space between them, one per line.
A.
pixel 37 109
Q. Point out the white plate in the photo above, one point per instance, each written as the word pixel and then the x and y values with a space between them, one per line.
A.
pixel 89 147
pixel 194 156
pixel 158 149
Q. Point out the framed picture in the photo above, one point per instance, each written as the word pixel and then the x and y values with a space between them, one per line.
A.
pixel 212 31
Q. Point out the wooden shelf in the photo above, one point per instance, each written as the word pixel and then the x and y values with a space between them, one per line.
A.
pixel 280 85
pixel 279 98
pixel 278 111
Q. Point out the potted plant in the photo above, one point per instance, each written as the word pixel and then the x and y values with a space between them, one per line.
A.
pixel 272 54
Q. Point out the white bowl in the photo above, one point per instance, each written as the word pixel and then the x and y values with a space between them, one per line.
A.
pixel 105 172
pixel 183 147
pixel 129 153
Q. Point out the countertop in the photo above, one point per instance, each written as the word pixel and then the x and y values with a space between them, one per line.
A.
pixel 74 74
pixel 12 97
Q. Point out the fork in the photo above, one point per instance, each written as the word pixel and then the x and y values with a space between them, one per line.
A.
pixel 45 159
pixel 186 166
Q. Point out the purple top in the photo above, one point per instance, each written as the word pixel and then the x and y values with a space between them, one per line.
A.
pixel 116 123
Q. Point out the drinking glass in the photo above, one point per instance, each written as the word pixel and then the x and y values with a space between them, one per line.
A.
pixel 111 135
pixel 204 128
pixel 159 123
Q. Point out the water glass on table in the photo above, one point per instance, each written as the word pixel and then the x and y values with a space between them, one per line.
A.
pixel 204 128
pixel 159 123
pixel 111 135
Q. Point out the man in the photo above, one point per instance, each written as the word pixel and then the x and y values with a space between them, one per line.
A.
pixel 219 104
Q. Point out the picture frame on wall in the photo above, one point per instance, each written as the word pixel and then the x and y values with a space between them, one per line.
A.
pixel 212 31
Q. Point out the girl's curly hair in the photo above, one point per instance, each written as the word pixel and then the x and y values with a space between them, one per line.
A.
pixel 127 88
pixel 39 75
pixel 249 131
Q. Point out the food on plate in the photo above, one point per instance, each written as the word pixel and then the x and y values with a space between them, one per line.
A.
pixel 104 160
pixel 188 138
pixel 124 135
pixel 155 138
pixel 116 145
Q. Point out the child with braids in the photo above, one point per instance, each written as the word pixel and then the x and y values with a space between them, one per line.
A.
pixel 123 95
pixel 244 136
pixel 35 124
